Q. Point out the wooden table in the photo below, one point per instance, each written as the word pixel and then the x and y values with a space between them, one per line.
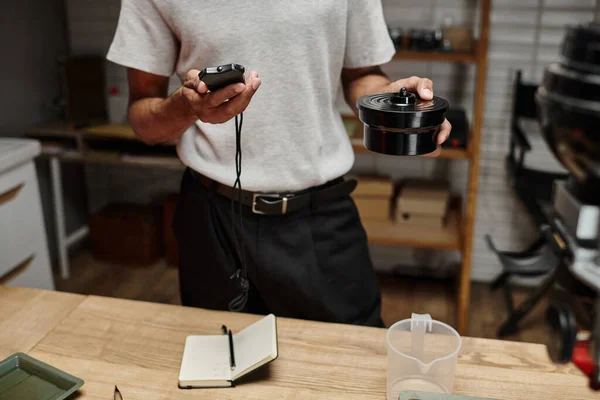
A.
pixel 138 346
pixel 28 315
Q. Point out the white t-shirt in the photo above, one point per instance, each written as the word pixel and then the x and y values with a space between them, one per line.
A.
pixel 292 137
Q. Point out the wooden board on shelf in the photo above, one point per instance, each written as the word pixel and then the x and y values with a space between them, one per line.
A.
pixel 61 129
pixel 115 131
pixel 117 158
pixel 111 130
pixel 438 56
pixel 389 233
pixel 454 153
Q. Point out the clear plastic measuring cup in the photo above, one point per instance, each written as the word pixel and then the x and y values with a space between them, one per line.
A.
pixel 422 355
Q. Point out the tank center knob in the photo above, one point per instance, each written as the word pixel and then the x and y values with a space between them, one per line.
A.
pixel 403 98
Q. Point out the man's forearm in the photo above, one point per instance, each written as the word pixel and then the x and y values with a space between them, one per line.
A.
pixel 158 120
pixel 362 82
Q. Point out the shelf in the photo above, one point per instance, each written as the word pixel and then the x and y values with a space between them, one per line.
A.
pixel 110 130
pixel 435 56
pixel 390 233
pixel 447 153
pixel 454 154
pixel 59 129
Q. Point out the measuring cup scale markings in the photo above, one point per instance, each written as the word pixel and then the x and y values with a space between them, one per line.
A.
pixel 422 355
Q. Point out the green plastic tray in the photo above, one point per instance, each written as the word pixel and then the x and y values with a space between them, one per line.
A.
pixel 25 378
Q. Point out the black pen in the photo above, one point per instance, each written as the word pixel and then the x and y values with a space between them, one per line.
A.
pixel 231 355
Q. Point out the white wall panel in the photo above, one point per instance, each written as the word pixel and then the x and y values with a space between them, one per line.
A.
pixel 585 5
pixel 516 4
pixel 518 17
pixel 560 18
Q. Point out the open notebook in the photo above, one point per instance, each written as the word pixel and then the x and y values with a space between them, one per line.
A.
pixel 218 360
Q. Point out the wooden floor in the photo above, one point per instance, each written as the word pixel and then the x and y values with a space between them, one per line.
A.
pixel 400 296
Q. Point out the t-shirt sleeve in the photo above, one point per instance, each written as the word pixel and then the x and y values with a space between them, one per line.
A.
pixel 368 42
pixel 143 39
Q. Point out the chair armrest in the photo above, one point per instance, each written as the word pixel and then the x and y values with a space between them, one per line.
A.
pixel 519 137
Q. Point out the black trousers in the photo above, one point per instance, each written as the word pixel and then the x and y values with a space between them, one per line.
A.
pixel 311 264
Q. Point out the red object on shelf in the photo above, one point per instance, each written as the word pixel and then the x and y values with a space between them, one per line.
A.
pixel 583 360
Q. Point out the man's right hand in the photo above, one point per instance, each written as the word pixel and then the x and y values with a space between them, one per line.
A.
pixel 157 117
pixel 222 105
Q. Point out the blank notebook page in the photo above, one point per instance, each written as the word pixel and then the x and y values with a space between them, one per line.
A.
pixel 255 345
pixel 206 358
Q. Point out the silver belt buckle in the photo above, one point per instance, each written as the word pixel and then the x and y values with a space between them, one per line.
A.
pixel 284 201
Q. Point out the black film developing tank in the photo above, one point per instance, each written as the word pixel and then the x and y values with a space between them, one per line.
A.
pixel 401 124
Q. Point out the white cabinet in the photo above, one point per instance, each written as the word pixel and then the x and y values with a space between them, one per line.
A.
pixel 24 259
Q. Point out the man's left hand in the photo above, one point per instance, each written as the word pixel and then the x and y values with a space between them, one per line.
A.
pixel 424 88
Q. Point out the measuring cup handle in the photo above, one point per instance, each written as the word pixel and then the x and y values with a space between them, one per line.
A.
pixel 419 325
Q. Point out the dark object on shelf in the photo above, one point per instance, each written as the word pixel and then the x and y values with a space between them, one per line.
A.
pixel 84 89
pixel 534 190
pixel 171 249
pixel 460 38
pixel 460 129
pixel 401 123
pixel 425 39
pixel 446 46
pixel 397 36
pixel 23 377
pixel 127 234
pixel 580 48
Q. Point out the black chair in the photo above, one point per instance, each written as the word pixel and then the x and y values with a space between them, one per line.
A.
pixel 532 186
pixel 534 189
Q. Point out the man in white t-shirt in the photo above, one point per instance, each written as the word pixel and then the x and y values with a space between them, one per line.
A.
pixel 298 249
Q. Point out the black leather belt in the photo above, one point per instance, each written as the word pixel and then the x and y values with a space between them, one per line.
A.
pixel 271 203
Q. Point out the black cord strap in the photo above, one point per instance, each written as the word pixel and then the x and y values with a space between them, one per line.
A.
pixel 241 275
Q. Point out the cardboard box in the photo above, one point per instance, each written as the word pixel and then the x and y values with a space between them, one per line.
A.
pixel 373 196
pixel 422 203
pixel 373 207
pixel 421 220
pixel 460 38
pixel 127 234
pixel 373 186
pixel 423 197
